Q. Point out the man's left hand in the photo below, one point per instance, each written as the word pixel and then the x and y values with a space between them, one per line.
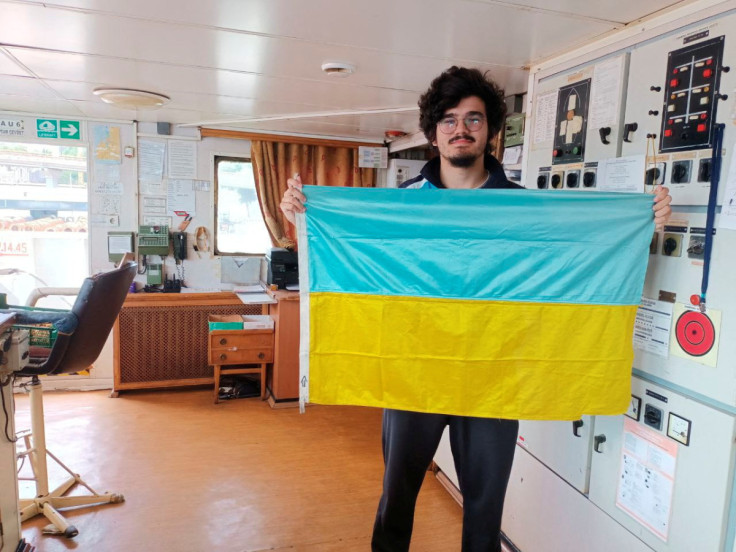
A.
pixel 662 210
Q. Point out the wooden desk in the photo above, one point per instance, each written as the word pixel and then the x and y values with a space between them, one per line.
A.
pixel 283 377
pixel 9 514
pixel 160 339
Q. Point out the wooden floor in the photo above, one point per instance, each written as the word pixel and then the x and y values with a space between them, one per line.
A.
pixel 237 476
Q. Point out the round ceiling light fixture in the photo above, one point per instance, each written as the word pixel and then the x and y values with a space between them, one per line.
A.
pixel 338 69
pixel 129 98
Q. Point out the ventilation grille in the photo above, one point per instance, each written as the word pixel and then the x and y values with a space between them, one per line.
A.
pixel 168 343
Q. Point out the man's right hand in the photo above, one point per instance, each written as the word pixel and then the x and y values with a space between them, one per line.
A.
pixel 293 200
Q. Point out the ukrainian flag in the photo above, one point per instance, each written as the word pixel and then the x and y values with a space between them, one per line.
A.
pixel 512 304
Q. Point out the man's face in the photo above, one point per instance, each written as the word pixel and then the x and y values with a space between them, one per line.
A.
pixel 462 147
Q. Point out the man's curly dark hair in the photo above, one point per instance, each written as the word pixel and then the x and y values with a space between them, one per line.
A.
pixel 450 88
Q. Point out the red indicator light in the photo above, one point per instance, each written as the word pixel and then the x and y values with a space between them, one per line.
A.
pixel 668 133
pixel 670 122
pixel 709 62
pixel 708 73
pixel 674 82
pixel 703 116
pixel 674 71
pixel 701 127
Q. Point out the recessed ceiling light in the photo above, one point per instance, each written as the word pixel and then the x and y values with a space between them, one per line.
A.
pixel 338 69
pixel 129 98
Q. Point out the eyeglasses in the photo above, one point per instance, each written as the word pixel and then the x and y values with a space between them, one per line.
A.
pixel 472 123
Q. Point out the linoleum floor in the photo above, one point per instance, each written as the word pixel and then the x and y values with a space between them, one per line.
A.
pixel 236 477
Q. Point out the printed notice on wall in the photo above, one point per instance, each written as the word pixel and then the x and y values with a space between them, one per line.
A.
pixel 544 117
pixel 372 158
pixel 647 477
pixel 652 326
pixel 621 174
pixel 728 210
pixel 180 197
pixel 605 90
pixel 182 159
pixel 151 160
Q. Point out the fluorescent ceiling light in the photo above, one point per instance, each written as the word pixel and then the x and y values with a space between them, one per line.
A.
pixel 129 98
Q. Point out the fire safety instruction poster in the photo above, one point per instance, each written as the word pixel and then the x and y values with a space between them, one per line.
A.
pixel 647 477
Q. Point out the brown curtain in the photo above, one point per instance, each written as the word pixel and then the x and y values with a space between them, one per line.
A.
pixel 275 162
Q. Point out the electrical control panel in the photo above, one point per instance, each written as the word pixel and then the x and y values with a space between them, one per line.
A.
pixel 513 134
pixel 576 124
pixel 679 88
pixel 153 240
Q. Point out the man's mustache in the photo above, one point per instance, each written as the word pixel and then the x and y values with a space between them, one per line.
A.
pixel 462 137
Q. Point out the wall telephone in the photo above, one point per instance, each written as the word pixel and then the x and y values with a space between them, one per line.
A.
pixel 179 245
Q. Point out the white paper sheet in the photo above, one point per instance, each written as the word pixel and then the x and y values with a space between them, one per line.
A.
pixel 605 88
pixel 621 174
pixel 180 197
pixel 544 117
pixel 646 477
pixel 512 156
pixel 182 159
pixel 153 188
pixel 154 206
pixel 151 159
pixel 652 327
pixel 728 209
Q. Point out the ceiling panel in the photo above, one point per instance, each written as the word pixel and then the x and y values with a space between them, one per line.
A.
pixel 410 21
pixel 223 61
pixel 25 86
pixel 491 37
pixel 10 67
pixel 620 11
pixel 169 79
pixel 38 106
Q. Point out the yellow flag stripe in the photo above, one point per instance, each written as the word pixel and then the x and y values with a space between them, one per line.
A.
pixel 472 358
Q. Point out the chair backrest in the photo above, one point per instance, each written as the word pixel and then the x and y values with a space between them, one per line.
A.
pixel 97 306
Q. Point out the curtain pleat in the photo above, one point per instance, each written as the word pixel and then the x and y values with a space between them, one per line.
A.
pixel 275 162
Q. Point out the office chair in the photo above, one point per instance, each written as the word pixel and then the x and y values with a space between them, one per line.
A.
pixel 81 334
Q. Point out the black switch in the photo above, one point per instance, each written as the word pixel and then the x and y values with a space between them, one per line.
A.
pixel 670 244
pixel 704 170
pixel 653 416
pixel 589 179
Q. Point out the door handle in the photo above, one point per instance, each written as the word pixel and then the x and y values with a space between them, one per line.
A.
pixel 599 440
pixel 628 129
pixel 577 424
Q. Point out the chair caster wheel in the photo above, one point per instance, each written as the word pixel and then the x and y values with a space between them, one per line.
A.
pixel 116 498
pixel 71 532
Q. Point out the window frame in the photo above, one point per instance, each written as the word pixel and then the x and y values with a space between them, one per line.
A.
pixel 217 158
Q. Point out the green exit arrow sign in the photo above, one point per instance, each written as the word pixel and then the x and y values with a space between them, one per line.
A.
pixel 69 130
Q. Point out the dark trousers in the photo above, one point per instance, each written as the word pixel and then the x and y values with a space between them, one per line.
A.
pixel 483 451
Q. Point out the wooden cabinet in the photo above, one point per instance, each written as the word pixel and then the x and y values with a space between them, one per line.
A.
pixel 230 350
pixel 283 377
pixel 160 339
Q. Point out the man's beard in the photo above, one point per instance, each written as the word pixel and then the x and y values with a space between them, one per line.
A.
pixel 463 161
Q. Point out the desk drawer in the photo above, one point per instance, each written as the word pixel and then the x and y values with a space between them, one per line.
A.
pixel 241 356
pixel 241 340
pixel 240 347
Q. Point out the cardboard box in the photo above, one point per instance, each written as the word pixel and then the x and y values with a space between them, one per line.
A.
pixel 225 322
pixel 257 322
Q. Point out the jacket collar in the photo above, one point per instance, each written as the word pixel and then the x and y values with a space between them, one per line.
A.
pixel 497 178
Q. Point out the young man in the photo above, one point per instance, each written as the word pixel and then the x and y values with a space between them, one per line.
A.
pixel 460 114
